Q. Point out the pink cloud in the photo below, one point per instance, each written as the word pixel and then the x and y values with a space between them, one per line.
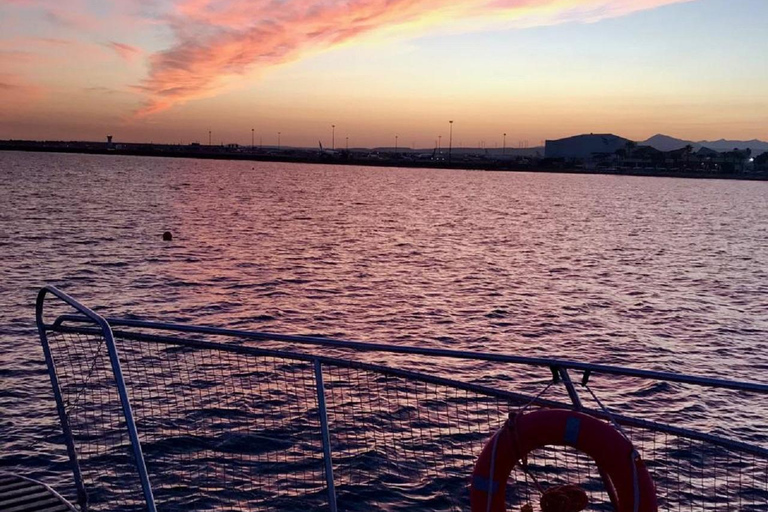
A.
pixel 125 51
pixel 217 40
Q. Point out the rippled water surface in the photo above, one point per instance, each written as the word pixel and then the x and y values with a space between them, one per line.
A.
pixel 663 274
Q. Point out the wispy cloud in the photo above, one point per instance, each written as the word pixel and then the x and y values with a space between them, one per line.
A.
pixel 221 39
pixel 16 91
pixel 42 51
pixel 15 57
pixel 70 19
pixel 126 51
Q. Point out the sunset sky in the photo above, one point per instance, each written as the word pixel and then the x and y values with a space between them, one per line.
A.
pixel 170 70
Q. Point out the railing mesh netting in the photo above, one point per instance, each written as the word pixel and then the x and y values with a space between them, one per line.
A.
pixel 229 430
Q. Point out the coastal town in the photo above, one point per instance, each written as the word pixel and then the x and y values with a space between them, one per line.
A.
pixel 587 153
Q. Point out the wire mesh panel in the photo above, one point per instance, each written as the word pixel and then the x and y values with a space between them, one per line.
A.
pixel 226 431
pixel 402 444
pixel 96 418
pixel 219 430
pixel 692 475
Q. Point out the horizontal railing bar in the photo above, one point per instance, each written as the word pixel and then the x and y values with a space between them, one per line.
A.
pixel 396 372
pixel 454 354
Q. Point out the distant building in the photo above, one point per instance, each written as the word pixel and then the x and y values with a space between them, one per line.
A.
pixel 761 162
pixel 584 147
pixel 736 160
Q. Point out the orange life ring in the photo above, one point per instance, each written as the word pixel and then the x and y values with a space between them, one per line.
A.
pixel 619 463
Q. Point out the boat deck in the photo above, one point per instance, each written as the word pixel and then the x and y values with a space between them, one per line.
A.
pixel 21 494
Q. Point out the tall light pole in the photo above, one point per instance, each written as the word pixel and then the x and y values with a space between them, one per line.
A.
pixel 278 141
pixel 439 141
pixel 252 144
pixel 450 140
pixel 209 137
pixel 347 142
pixel 504 146
pixel 395 143
pixel 333 136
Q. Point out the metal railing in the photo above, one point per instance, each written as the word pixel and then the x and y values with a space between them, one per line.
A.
pixel 260 420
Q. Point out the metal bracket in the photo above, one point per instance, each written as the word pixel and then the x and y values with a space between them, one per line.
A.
pixel 572 393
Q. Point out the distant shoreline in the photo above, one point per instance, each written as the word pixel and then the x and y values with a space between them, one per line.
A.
pixel 312 157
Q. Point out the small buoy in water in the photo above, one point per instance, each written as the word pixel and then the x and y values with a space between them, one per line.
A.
pixel 167 236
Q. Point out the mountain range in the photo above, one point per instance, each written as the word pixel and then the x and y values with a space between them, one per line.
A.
pixel 667 143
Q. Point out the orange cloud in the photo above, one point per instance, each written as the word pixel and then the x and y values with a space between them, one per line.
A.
pixel 217 40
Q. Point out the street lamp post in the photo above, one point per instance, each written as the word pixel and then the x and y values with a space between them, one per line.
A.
pixel 252 144
pixel 450 140
pixel 439 142
pixel 278 141
pixel 209 137
pixel 333 136
pixel 504 146
pixel 347 143
pixel 395 143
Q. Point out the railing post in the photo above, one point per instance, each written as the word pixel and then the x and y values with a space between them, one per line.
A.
pixel 82 495
pixel 325 435
pixel 130 423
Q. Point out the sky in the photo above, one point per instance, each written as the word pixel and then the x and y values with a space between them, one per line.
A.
pixel 373 72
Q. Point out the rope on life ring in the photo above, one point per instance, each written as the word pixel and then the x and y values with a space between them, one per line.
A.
pixel 619 463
